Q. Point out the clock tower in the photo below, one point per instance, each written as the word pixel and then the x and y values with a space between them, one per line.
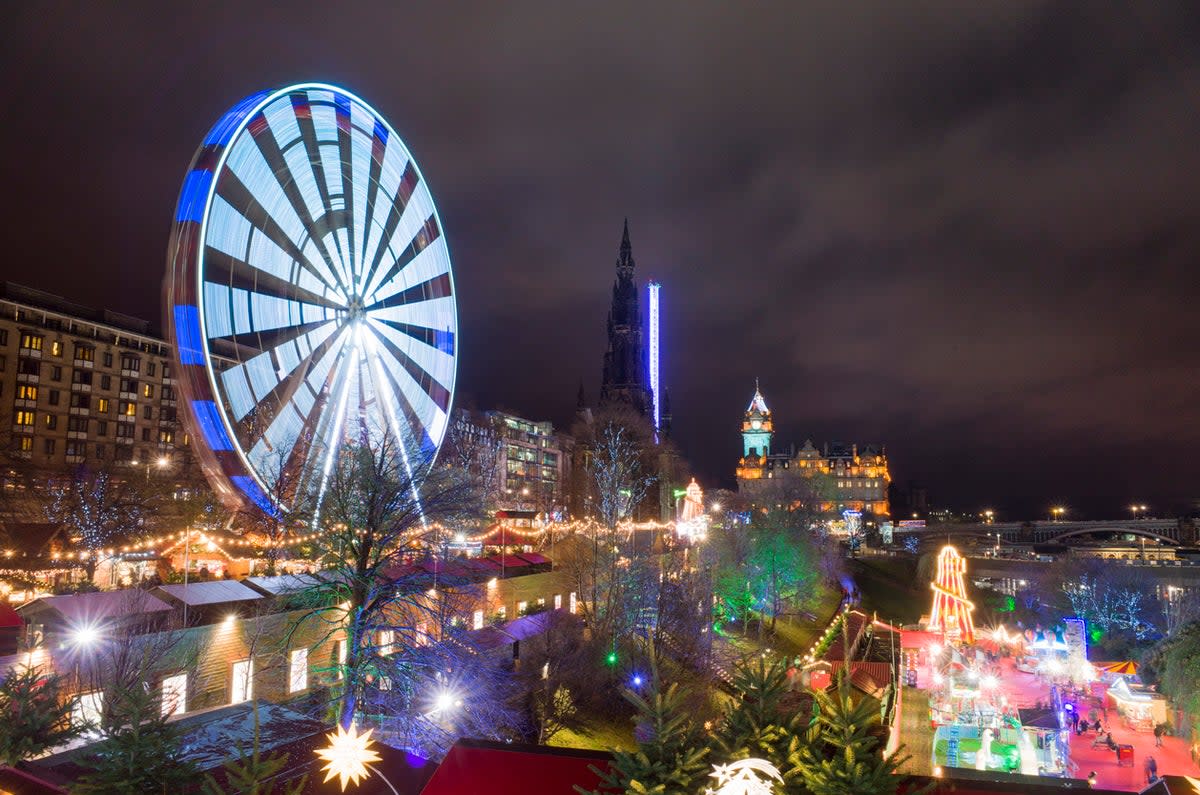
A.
pixel 757 427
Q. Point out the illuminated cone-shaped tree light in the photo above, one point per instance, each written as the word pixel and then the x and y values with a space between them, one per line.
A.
pixel 952 610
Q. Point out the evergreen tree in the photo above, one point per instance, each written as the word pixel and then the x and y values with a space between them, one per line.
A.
pixel 670 755
pixel 754 726
pixel 254 774
pixel 141 751
pixel 841 753
pixel 36 715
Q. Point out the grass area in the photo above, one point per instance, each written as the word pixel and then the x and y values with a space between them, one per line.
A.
pixel 598 735
pixel 888 587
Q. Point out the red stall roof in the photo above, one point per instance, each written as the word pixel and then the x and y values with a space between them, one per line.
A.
pixel 480 766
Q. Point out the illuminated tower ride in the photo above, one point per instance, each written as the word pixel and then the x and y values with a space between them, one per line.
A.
pixel 952 610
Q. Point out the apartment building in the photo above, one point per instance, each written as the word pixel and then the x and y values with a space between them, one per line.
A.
pixel 86 386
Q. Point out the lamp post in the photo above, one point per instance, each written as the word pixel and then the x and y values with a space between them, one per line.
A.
pixel 1057 513
pixel 1136 509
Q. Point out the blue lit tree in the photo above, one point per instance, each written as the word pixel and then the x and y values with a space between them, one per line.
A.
pixel 97 507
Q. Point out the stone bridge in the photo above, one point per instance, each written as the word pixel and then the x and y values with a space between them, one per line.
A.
pixel 1168 531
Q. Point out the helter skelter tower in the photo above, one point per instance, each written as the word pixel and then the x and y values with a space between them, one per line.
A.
pixel 952 610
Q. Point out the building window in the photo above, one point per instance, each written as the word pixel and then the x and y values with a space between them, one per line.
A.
pixel 558 601
pixel 26 392
pixel 80 401
pixel 477 620
pixel 108 360
pixel 166 437
pixel 102 404
pixel 53 397
pixel 31 342
pixel 522 607
pixel 298 670
pixel 128 409
pixel 48 446
pixel 56 348
pixel 387 642
pixel 145 434
pixel 148 390
pixel 84 354
pixel 340 652
pixel 124 430
pixel 422 637
pixel 106 382
pixel 56 373
pixel 150 367
pixel 242 686
pixel 147 412
pixel 3 336
pixel 166 371
pixel 130 363
pixel 86 710
pixel 25 418
pixel 82 377
pixel 571 602
pixel 174 695
pixel 101 428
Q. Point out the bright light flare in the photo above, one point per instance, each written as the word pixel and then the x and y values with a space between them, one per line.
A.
pixel 988 682
pixel 445 701
pixel 348 755
pixel 86 635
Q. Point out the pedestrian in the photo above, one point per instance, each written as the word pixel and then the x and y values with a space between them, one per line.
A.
pixel 1158 735
pixel 1151 770
pixel 1075 721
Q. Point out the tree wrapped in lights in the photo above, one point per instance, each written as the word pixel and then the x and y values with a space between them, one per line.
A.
pixel 97 506
pixel 951 613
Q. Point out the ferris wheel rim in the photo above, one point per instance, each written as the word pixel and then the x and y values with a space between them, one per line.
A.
pixel 249 108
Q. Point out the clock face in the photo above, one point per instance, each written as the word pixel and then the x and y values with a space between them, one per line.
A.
pixel 756 424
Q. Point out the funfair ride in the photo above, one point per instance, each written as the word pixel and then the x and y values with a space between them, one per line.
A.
pixel 309 295
pixel 951 612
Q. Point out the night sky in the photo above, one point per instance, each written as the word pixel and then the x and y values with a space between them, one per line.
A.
pixel 968 231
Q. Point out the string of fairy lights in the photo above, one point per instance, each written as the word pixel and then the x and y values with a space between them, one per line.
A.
pixel 162 544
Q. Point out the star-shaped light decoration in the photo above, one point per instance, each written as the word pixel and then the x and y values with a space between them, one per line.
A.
pixel 348 755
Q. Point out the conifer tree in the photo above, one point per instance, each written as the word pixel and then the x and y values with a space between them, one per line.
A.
pixel 251 773
pixel 754 726
pixel 841 753
pixel 670 754
pixel 36 715
pixel 142 751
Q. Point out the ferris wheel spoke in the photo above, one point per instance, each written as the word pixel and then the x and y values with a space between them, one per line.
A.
pixel 424 385
pixel 235 193
pixel 256 380
pixel 403 403
pixel 437 287
pixel 429 360
pixel 234 274
pixel 401 187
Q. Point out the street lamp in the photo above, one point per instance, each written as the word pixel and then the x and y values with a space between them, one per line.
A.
pixel 1057 513
pixel 989 516
pixel 1136 509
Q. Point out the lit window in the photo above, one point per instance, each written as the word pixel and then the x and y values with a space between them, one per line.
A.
pixel 242 686
pixel 31 342
pixel 84 353
pixel 522 607
pixel 502 613
pixel 174 695
pixel 26 392
pixel 340 652
pixel 56 348
pixel 148 390
pixel 298 670
pixel 23 418
pixel 26 444
pixel 86 710
pixel 477 622
pixel 129 409
pixel 387 641
pixel 558 601
pixel 102 405
pixel 572 604
pixel 422 633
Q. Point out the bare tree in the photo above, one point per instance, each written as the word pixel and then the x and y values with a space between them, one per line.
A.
pixel 380 506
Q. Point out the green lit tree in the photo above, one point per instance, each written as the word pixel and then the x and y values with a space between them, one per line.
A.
pixel 841 754
pixel 671 755
pixel 37 716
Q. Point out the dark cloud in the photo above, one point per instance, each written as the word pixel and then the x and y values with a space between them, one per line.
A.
pixel 967 230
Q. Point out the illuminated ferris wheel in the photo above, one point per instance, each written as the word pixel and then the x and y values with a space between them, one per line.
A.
pixel 309 295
